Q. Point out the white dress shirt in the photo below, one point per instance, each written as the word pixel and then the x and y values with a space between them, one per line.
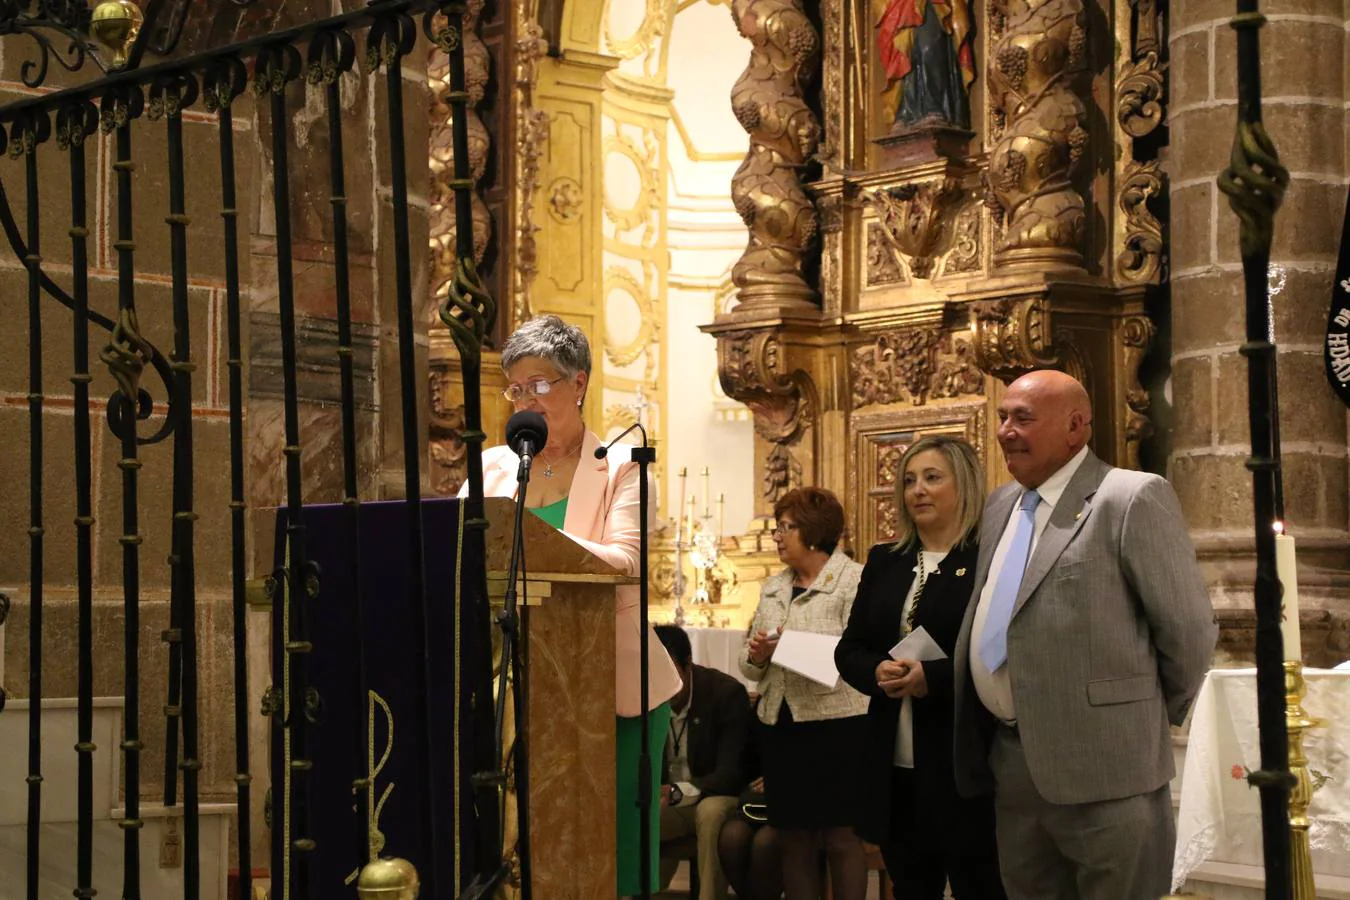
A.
pixel 995 688
pixel 904 736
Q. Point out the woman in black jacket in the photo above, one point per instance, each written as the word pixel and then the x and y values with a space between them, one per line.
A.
pixel 928 834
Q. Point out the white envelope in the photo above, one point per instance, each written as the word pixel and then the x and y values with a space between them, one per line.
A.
pixel 809 654
pixel 918 645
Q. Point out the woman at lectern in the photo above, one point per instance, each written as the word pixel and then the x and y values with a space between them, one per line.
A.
pixel 810 730
pixel 928 834
pixel 548 365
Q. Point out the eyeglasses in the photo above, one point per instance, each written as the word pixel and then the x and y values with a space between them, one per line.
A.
pixel 537 388
pixel 782 528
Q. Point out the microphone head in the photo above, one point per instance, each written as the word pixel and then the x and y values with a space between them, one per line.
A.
pixel 601 452
pixel 526 427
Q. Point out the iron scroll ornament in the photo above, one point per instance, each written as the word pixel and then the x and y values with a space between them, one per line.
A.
pixel 144 402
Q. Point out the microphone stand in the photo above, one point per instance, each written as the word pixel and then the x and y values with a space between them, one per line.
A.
pixel 644 456
pixel 509 621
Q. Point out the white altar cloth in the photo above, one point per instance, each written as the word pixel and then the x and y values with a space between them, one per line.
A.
pixel 719 648
pixel 1220 816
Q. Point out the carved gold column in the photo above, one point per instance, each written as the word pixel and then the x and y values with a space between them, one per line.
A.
pixel 769 102
pixel 1037 62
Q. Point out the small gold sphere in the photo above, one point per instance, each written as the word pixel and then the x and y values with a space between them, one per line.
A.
pixel 115 24
pixel 388 879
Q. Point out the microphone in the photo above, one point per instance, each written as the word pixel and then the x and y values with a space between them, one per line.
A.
pixel 602 452
pixel 526 433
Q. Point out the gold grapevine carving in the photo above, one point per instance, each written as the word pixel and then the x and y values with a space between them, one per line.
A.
pixel 770 104
pixel 1139 87
pixel 1034 69
pixel 531 135
pixel 915 366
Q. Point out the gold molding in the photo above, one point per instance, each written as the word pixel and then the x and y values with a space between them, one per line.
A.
pixel 693 152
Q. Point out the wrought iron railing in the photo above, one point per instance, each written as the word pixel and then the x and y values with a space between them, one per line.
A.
pixel 120 102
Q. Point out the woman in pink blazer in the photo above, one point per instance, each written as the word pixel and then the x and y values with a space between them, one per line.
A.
pixel 595 502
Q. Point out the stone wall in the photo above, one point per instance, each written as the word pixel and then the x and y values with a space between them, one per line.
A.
pixel 1305 82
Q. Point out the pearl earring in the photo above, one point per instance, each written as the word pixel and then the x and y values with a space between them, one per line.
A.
pixel 578 403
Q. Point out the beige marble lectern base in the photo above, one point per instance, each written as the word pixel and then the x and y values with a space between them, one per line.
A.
pixel 569 660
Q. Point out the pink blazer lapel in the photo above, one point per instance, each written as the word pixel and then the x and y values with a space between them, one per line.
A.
pixel 586 499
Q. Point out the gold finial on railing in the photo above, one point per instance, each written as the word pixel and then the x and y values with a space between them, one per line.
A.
pixel 388 879
pixel 116 24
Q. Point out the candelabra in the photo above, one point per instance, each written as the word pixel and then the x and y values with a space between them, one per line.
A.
pixel 1297 721
pixel 696 538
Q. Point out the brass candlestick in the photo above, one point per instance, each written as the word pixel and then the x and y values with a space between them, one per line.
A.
pixel 1297 721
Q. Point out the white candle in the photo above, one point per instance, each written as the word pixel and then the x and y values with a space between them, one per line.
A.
pixel 1286 568
pixel 707 494
pixel 721 515
pixel 679 510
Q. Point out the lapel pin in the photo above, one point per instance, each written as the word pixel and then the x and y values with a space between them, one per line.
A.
pixel 960 572
pixel 1078 515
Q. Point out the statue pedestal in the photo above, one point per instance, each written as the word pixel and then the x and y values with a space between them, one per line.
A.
pixel 906 145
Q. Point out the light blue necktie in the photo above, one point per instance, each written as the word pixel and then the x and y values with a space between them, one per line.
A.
pixel 994 640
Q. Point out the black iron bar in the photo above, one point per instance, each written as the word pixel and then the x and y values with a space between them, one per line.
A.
pixel 227 82
pixel 1255 183
pixel 76 123
pixel 390 39
pixel 33 260
pixel 332 54
pixel 468 313
pixel 175 94
pixel 275 70
pixel 130 465
pixel 126 356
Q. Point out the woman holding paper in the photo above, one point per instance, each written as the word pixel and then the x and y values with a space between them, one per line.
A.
pixel 915 592
pixel 811 723
pixel 547 363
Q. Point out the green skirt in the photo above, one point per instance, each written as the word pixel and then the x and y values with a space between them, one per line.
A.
pixel 628 747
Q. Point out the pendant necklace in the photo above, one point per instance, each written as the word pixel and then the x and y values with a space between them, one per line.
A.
pixel 548 466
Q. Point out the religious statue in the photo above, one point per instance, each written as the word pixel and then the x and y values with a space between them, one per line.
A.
pixel 928 61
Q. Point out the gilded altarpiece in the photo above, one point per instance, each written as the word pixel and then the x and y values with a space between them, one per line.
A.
pixel 947 243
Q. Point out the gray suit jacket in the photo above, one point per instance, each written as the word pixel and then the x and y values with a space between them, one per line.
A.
pixel 1111 637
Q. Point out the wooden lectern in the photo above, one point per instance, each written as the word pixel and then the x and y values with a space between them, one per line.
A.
pixel 567 599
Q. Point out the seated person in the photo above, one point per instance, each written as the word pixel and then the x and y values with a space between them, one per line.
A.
pixel 703 769
pixel 748 846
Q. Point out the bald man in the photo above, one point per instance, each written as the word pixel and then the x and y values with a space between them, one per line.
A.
pixel 1091 630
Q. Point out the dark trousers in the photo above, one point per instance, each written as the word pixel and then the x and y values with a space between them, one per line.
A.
pixel 947 838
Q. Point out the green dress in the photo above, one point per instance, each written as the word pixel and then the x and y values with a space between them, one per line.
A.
pixel 628 750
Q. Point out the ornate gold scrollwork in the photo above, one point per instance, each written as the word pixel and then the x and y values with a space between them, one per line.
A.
pixel 1140 259
pixel 916 364
pixel 1034 69
pixel 1139 87
pixel 1013 336
pixel 768 100
pixel 1136 334
pixel 753 370
pixel 914 219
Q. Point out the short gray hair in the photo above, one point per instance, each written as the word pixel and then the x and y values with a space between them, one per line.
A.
pixel 966 469
pixel 551 339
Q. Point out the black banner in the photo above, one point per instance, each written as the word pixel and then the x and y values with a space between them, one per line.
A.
pixel 1336 349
